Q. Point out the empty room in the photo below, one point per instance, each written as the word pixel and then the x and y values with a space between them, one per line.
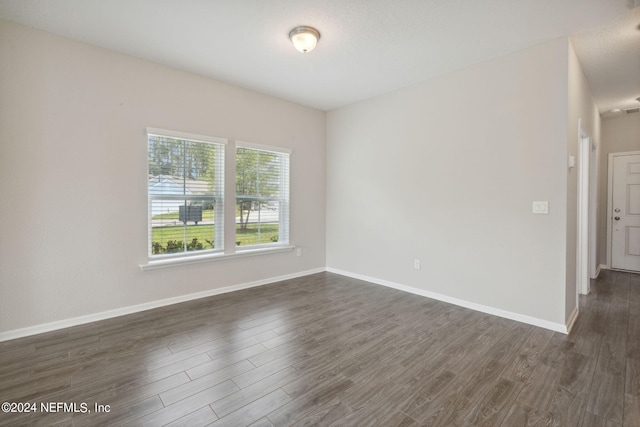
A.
pixel 339 213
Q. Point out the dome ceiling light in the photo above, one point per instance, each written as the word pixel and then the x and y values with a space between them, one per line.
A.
pixel 304 38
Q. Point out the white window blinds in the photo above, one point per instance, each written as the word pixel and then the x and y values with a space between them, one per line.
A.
pixel 262 196
pixel 185 193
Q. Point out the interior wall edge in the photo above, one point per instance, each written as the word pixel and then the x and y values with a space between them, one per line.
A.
pixel 572 319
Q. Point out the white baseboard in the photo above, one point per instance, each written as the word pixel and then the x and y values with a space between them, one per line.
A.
pixel 61 324
pixel 600 268
pixel 572 320
pixel 557 327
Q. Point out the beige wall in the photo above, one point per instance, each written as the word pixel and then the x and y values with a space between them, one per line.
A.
pixel 619 134
pixel 73 176
pixel 446 171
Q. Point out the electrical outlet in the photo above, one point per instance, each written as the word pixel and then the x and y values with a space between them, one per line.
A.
pixel 416 264
pixel 298 251
pixel 540 207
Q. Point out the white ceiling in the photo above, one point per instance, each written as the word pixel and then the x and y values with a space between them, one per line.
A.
pixel 367 47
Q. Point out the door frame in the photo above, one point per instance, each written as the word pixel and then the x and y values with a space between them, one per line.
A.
pixel 594 174
pixel 585 252
pixel 610 200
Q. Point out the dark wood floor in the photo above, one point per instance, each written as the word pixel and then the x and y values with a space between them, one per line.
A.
pixel 329 350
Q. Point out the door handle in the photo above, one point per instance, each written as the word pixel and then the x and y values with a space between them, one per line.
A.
pixel 617 218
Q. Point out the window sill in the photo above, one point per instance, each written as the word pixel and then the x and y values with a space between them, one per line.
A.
pixel 197 259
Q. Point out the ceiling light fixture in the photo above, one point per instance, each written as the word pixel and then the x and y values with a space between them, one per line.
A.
pixel 304 38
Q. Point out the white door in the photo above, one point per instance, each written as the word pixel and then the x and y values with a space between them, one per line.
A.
pixel 625 221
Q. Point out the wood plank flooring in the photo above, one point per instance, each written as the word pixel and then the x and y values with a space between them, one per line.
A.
pixel 330 350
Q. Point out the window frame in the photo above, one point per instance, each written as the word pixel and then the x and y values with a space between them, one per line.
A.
pixel 159 261
pixel 283 198
pixel 217 196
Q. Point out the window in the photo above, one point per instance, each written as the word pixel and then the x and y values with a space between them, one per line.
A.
pixel 262 195
pixel 185 193
pixel 186 183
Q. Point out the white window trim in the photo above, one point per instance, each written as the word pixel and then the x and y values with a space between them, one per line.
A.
pixel 219 238
pixel 285 201
pixel 187 136
pixel 174 260
pixel 270 148
pixel 197 259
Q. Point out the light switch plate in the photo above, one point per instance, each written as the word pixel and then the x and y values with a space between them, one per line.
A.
pixel 540 207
